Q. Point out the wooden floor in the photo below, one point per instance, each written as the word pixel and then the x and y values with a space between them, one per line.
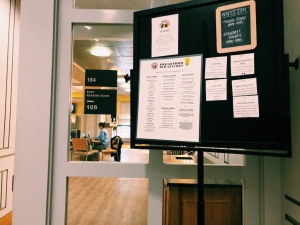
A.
pixel 111 201
pixel 107 201
pixel 6 220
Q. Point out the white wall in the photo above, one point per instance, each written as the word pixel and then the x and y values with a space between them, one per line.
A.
pixel 9 45
pixel 291 167
pixel 33 112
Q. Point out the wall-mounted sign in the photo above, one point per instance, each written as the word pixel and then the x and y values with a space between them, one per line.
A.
pixel 103 78
pixel 100 101
pixel 236 27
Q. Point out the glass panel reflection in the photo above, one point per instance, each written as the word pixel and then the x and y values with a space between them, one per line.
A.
pixel 216 158
pixel 180 157
pixel 184 157
pixel 117 41
pixel 107 200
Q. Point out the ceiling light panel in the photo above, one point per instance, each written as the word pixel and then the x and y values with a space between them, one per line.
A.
pixel 100 51
pixel 127 60
pixel 78 50
pixel 113 51
pixel 124 43
pixel 129 67
pixel 124 51
pixel 92 42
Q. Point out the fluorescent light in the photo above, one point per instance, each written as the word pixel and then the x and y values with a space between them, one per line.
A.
pixel 88 27
pixel 100 51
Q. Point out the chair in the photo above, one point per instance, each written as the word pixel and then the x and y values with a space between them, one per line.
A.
pixel 115 148
pixel 81 148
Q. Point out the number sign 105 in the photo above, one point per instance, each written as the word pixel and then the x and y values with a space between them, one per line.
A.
pixel 91 107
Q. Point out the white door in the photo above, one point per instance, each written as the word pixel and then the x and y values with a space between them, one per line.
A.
pixel 154 171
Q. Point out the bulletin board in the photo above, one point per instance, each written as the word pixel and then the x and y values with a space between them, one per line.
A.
pixel 249 111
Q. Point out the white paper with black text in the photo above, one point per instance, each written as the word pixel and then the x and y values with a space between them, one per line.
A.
pixel 242 64
pixel 244 87
pixel 169 99
pixel 216 90
pixel 215 68
pixel 245 106
pixel 164 36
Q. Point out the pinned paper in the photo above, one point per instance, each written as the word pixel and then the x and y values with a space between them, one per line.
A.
pixel 245 106
pixel 216 90
pixel 242 64
pixel 244 87
pixel 216 68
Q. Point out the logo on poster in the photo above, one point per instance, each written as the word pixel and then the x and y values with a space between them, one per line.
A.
pixel 154 66
pixel 187 61
pixel 164 24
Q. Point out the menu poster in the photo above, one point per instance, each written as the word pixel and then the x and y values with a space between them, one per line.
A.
pixel 169 99
pixel 244 87
pixel 215 68
pixel 245 106
pixel 164 36
pixel 216 90
pixel 242 64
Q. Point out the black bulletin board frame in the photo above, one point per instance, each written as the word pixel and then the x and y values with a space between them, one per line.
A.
pixel 267 135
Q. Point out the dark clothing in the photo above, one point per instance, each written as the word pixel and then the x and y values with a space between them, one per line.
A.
pixel 116 143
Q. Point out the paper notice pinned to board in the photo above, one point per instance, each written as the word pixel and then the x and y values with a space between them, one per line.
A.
pixel 165 36
pixel 242 64
pixel 245 106
pixel 216 68
pixel 244 87
pixel 216 90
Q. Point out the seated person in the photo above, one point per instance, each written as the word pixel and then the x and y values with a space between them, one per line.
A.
pixel 103 138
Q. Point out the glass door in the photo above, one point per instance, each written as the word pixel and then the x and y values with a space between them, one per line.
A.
pixel 79 185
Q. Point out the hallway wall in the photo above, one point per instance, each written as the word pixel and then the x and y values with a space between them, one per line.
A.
pixel 291 166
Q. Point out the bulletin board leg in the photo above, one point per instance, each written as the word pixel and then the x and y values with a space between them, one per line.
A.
pixel 201 205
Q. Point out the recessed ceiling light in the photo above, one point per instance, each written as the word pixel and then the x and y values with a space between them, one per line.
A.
pixel 100 51
pixel 88 27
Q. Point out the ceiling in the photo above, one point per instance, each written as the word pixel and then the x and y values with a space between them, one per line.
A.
pixel 115 38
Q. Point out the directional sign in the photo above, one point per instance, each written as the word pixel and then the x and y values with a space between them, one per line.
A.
pixel 100 101
pixel 102 78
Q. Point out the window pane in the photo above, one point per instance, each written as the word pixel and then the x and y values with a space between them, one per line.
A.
pixel 94 200
pixel 118 41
